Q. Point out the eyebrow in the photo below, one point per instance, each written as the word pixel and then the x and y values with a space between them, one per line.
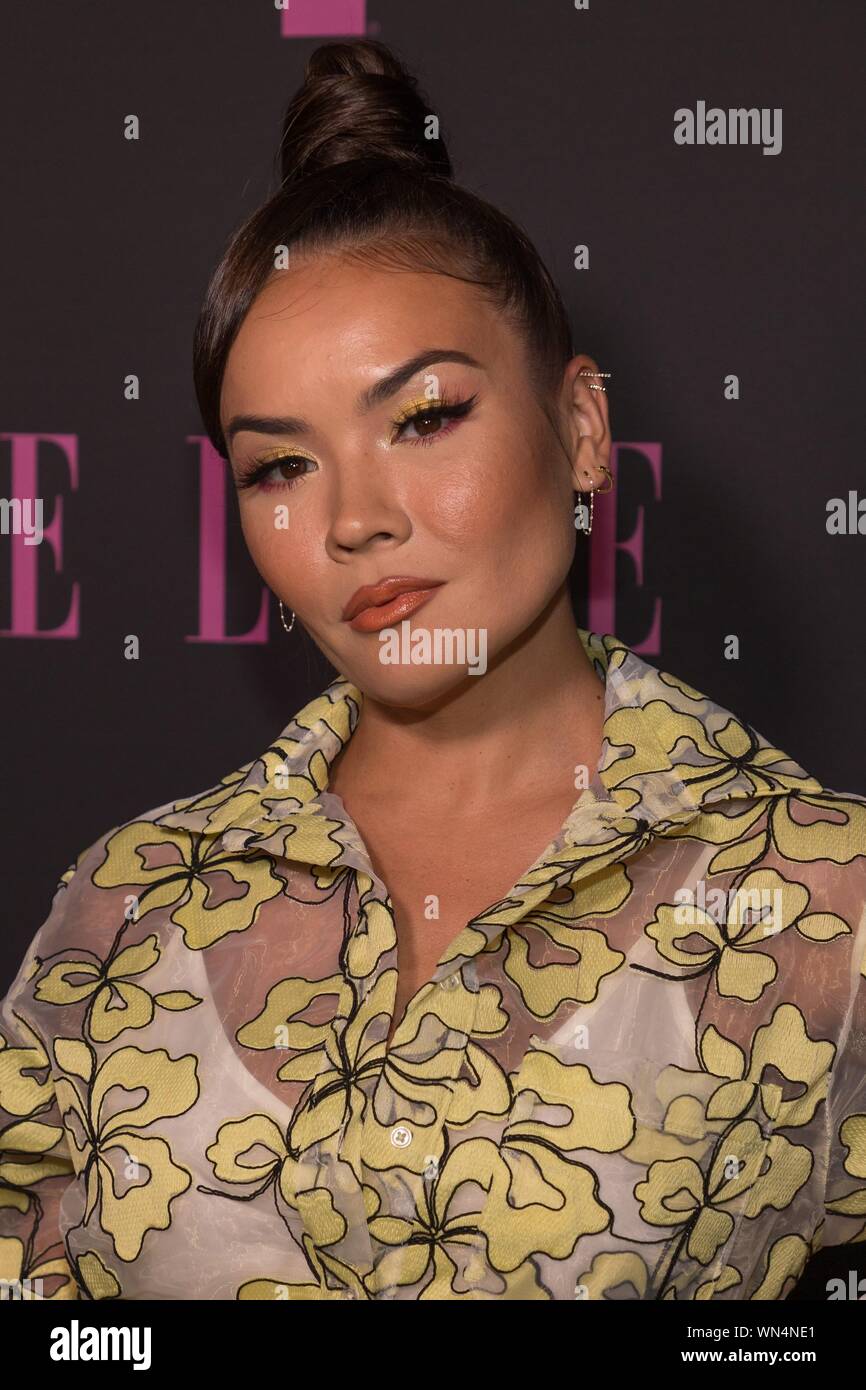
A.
pixel 374 395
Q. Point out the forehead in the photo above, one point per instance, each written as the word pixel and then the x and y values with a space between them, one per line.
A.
pixel 342 324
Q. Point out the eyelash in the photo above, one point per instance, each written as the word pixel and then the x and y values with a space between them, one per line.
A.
pixel 439 409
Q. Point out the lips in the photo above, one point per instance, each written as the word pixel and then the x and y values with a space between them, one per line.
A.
pixel 382 594
pixel 379 615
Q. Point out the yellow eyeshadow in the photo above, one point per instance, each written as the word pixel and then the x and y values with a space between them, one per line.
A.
pixel 415 407
pixel 282 451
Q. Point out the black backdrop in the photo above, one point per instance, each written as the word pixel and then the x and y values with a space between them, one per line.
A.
pixel 704 261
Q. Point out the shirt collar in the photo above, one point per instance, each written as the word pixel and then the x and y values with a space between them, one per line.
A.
pixel 668 754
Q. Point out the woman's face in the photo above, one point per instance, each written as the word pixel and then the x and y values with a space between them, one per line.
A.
pixel 355 491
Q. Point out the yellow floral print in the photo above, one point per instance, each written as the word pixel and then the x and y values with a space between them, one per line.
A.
pixel 636 1074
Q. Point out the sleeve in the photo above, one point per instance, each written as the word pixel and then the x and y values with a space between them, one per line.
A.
pixel 845 1190
pixel 36 1164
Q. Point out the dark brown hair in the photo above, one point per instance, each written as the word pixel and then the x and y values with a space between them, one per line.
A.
pixel 364 171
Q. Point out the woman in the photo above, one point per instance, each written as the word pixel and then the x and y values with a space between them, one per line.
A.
pixel 514 967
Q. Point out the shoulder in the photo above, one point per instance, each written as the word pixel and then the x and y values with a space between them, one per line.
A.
pixel 163 855
pixel 812 844
pixel 780 834
pixel 97 927
pixel 821 834
pixel 106 882
pixel 800 904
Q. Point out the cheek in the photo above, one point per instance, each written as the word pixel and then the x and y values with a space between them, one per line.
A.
pixel 495 500
pixel 275 549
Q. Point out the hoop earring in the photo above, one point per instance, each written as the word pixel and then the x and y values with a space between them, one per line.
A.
pixel 609 479
pixel 283 617
pixel 587 530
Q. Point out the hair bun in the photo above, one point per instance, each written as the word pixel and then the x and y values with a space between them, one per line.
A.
pixel 358 102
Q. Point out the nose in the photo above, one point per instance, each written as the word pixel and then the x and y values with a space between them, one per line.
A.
pixel 365 511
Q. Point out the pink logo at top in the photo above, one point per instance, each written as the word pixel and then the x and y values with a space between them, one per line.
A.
pixel 318 18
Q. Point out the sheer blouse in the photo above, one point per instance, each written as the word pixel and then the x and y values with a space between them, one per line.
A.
pixel 640 1075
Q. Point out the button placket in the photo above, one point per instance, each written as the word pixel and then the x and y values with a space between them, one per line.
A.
pixel 403 1139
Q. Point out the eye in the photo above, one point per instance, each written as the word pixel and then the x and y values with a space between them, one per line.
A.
pixel 282 464
pixel 427 419
pixel 431 419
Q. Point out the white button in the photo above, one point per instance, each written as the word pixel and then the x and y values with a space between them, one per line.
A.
pixel 450 981
pixel 401 1136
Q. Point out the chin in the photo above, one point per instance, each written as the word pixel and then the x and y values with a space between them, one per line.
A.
pixel 412 687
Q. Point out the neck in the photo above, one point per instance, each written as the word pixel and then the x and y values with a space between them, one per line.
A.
pixel 514 735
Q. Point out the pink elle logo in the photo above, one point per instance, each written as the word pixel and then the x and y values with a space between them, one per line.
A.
pixel 24 558
pixel 320 18
pixel 212 554
pixel 602 560
pixel 24 568
pixel 604 546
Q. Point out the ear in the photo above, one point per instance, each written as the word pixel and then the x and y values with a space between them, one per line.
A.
pixel 585 412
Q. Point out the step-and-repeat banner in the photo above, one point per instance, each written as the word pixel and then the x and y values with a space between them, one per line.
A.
pixel 691 176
